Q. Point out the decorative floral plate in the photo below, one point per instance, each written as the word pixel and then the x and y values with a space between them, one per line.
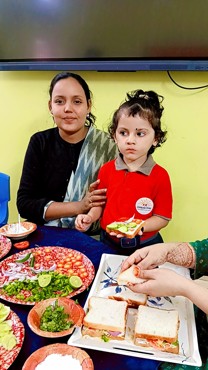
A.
pixel 45 259
pixel 5 246
pixel 18 231
pixel 105 285
pixel 8 357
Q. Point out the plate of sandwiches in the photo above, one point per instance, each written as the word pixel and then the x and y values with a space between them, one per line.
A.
pixel 120 321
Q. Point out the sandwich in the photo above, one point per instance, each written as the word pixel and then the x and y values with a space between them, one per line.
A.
pixel 130 276
pixel 133 299
pixel 157 328
pixel 127 229
pixel 106 319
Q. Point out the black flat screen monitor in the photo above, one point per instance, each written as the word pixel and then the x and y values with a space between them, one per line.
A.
pixel 104 35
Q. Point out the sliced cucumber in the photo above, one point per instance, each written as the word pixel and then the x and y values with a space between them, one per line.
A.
pixel 123 229
pixel 132 224
pixel 113 226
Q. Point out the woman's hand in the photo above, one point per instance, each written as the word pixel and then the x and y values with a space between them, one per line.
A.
pixel 83 222
pixel 161 283
pixel 165 282
pixel 93 198
pixel 148 257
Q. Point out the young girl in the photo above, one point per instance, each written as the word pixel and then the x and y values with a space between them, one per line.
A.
pixel 136 185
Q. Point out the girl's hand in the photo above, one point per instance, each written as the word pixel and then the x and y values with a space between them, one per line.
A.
pixel 121 235
pixel 83 222
pixel 161 283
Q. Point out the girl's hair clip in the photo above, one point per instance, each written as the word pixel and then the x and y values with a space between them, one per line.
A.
pixel 144 96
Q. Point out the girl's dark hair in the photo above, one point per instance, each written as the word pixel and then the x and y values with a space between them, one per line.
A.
pixel 61 76
pixel 147 104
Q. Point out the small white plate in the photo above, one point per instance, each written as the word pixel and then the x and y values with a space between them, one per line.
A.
pixel 11 230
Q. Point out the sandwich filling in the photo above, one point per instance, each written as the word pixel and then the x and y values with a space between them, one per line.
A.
pixel 161 345
pixel 103 334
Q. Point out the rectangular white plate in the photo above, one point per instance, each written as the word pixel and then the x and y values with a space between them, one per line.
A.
pixel 105 284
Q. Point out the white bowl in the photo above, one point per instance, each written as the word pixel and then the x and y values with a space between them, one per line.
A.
pixel 12 231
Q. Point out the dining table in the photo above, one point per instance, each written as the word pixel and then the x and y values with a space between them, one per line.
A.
pixel 93 249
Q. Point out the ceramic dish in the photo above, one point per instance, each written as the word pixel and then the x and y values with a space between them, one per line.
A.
pixel 5 246
pixel 59 259
pixel 61 349
pixel 12 230
pixel 8 357
pixel 105 285
pixel 75 312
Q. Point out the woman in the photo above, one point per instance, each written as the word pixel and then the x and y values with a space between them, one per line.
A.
pixel 61 163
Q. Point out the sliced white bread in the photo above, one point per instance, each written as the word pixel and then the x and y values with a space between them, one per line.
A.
pixel 132 299
pixel 105 317
pixel 130 276
pixel 157 328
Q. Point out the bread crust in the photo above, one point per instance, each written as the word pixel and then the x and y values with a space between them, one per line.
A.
pixel 101 326
pixel 131 302
pixel 129 235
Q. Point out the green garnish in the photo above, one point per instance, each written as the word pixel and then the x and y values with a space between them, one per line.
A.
pixel 59 287
pixel 105 338
pixel 54 319
pixel 32 261
pixel 24 259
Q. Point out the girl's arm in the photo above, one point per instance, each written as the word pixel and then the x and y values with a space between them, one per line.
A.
pixel 155 223
pixel 95 197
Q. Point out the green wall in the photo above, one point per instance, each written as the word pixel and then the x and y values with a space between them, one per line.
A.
pixel 24 110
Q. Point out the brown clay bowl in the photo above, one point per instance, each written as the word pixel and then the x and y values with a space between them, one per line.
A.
pixel 75 312
pixel 62 349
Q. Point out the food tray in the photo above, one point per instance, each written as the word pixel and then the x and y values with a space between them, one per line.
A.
pixel 105 285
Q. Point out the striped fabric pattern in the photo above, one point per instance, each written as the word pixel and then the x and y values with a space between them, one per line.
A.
pixel 97 149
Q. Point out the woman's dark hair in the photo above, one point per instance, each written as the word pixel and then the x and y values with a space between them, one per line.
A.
pixel 147 104
pixel 63 75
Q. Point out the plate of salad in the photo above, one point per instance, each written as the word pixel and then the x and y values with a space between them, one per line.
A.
pixel 5 246
pixel 40 273
pixel 12 336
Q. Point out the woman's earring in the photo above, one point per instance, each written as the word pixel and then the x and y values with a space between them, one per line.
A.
pixel 88 115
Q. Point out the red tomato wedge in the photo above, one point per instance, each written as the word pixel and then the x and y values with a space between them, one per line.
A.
pixel 22 245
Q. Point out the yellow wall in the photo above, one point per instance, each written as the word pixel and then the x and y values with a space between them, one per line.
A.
pixel 23 111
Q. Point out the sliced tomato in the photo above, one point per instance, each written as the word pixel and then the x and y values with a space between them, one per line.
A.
pixel 22 245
